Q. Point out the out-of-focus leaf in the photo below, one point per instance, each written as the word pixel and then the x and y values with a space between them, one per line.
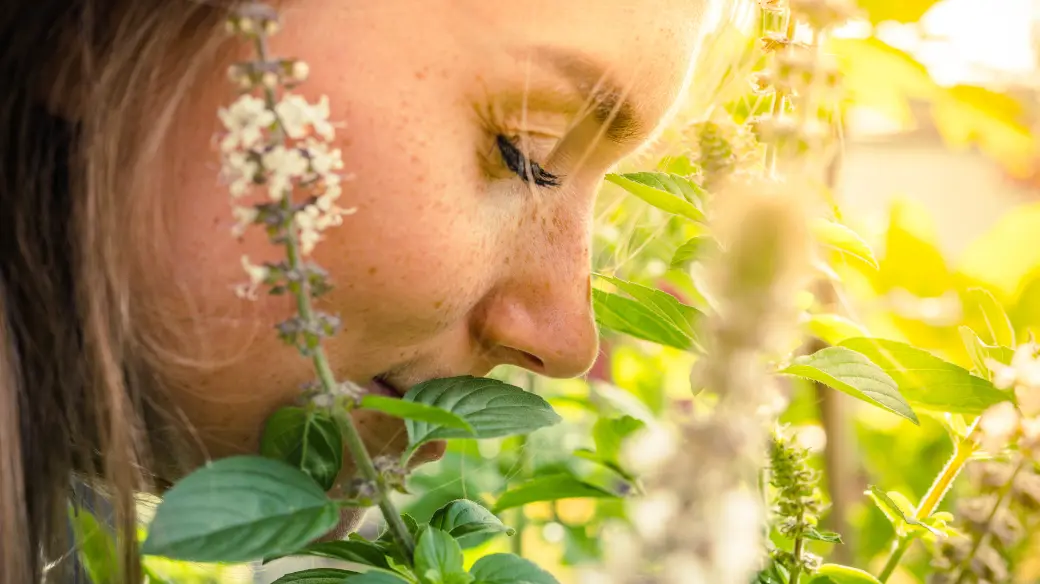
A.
pixel 509 569
pixel 967 115
pixel 668 192
pixel 317 576
pixel 998 325
pixel 627 316
pixel 833 329
pixel 694 250
pixel 824 536
pixel 548 488
pixel 900 512
pixel 880 77
pixel 852 373
pixel 912 259
pixel 980 352
pixel 95 545
pixel 897 10
pixel 835 574
pixel 927 381
pixel 841 238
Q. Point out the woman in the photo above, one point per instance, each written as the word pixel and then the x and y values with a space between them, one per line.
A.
pixel 124 355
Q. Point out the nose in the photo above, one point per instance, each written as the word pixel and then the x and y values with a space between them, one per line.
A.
pixel 539 315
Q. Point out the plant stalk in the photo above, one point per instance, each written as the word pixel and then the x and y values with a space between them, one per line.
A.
pixel 352 438
pixel 902 544
pixel 796 570
pixel 987 526
pixel 962 453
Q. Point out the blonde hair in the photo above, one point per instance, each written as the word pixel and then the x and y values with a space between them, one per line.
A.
pixel 78 385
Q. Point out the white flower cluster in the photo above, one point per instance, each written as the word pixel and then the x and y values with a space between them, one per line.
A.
pixel 1007 422
pixel 283 148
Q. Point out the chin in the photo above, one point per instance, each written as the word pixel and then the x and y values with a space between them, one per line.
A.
pixel 349 520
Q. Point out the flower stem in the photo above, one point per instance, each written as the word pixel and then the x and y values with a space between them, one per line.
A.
pixel 366 468
pixel 796 570
pixel 983 537
pixel 962 453
pixel 902 544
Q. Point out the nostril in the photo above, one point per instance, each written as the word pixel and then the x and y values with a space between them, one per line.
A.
pixel 530 361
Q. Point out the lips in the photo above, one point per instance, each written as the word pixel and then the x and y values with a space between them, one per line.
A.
pixel 429 452
pixel 380 386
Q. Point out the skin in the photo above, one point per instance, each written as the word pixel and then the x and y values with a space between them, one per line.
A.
pixel 452 265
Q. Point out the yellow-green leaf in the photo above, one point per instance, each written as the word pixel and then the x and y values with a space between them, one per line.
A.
pixel 841 238
pixel 668 192
pixel 852 373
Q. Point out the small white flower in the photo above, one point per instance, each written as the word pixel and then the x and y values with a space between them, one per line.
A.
pixel 648 449
pixel 654 513
pixel 284 165
pixel 241 169
pixel 244 217
pixel 300 71
pixel 1022 375
pixel 296 115
pixel 257 275
pixel 997 425
pixel 324 161
pixel 245 121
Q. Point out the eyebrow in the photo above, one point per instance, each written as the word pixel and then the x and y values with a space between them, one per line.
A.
pixel 609 106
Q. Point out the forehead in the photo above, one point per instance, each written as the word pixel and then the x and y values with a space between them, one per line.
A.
pixel 640 48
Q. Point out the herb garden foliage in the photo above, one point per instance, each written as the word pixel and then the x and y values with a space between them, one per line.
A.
pixel 975 381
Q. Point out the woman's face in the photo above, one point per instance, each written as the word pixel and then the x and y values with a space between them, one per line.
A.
pixel 452 264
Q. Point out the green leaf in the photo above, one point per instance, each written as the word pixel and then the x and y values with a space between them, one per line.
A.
pixel 835 574
pixel 468 522
pixel 668 192
pixel 375 577
pixel 850 372
pixel 309 440
pixel 694 250
pixel 95 546
pixel 824 536
pixel 317 576
pixel 609 433
pixel 927 381
pixel 833 329
pixel 549 488
pixel 492 408
pixel 900 512
pixel 841 238
pixel 416 411
pixel 240 509
pixel 509 569
pixel 410 524
pixel 437 556
pixel 1001 331
pixel 351 550
pixel 980 352
pixel 681 316
pixel 629 317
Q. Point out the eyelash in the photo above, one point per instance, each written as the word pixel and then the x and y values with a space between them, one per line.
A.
pixel 521 166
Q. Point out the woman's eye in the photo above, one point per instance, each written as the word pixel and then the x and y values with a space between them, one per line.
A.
pixel 518 163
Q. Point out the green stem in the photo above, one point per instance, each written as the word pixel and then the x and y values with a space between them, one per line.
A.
pixel 520 524
pixel 988 525
pixel 962 453
pixel 796 570
pixel 352 438
pixel 523 471
pixel 902 544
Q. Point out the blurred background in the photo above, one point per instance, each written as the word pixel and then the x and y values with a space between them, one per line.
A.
pixel 940 173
